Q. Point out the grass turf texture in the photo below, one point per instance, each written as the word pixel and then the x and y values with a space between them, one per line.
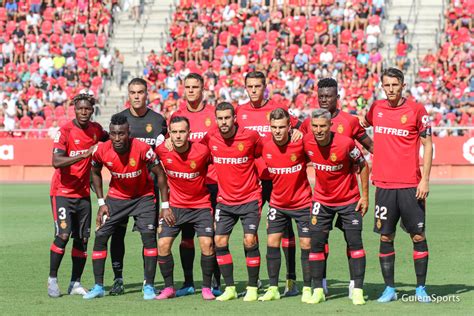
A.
pixel 26 232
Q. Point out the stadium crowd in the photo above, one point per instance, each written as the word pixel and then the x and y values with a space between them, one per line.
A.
pixel 49 51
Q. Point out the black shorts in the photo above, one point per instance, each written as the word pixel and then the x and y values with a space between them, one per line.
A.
pixel 267 187
pixel 322 217
pixel 393 204
pixel 72 216
pixel 226 216
pixel 278 220
pixel 200 220
pixel 142 209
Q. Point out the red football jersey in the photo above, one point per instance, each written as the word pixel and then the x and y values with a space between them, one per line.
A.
pixel 201 122
pixel 343 123
pixel 234 160
pixel 287 168
pixel 74 181
pixel 187 175
pixel 336 182
pixel 397 142
pixel 258 119
pixel 130 176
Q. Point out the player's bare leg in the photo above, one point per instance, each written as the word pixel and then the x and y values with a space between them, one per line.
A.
pixel 305 244
pixel 387 265
pixel 273 267
pixel 166 263
pixel 420 258
pixel 208 259
pixel 226 265
pixel 317 261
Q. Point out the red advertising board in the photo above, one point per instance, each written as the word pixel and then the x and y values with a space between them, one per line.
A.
pixel 37 152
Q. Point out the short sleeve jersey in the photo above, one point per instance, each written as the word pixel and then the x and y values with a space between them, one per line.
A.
pixel 258 119
pixel 129 171
pixel 150 128
pixel 187 175
pixel 287 167
pixel 397 142
pixel 74 181
pixel 234 160
pixel 336 182
pixel 201 122
pixel 343 123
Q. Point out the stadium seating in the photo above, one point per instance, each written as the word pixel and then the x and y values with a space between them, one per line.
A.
pixel 23 75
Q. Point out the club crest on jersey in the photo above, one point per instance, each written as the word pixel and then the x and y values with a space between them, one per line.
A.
pixel 379 224
pixel 148 128
pixel 333 157
pixel 404 119
pixel 192 164
pixel 340 128
pixel 132 162
pixel 208 122
pixel 293 157
pixel 240 147
pixel 63 225
pixel 314 220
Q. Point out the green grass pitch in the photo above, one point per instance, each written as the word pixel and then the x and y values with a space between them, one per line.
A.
pixel 26 232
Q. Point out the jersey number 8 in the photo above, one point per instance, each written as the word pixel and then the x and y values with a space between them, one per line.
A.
pixel 316 208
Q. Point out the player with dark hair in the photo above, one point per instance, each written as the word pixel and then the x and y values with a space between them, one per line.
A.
pixel 186 166
pixel 70 193
pixel 254 115
pixel 149 127
pixel 202 117
pixel 234 150
pixel 290 199
pixel 401 188
pixel 334 158
pixel 342 123
pixel 130 194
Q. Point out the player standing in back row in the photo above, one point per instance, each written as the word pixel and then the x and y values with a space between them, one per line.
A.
pixel 234 150
pixel 149 127
pixel 399 127
pixel 255 115
pixel 70 193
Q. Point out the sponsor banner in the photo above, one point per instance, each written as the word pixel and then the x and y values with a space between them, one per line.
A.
pixel 37 152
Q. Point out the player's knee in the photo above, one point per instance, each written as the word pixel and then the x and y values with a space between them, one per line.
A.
pixel 250 241
pixel 221 241
pixel 305 243
pixel 64 237
pixel 387 238
pixel 274 240
pixel 418 237
pixel 206 245
pixel 354 239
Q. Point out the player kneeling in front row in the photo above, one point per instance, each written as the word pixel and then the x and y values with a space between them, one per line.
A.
pixel 290 199
pixel 130 194
pixel 186 166
pixel 334 157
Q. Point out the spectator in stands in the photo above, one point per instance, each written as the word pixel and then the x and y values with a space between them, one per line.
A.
pixel 326 57
pixel 378 8
pixel 35 106
pixel 375 61
pixel 239 60
pixel 301 61
pixel 400 30
pixel 53 129
pixel 105 63
pixel 46 65
pixel 12 9
pixel 401 53
pixel 58 97
pixel 35 6
pixel 226 60
pixel 9 115
pixel 373 32
pixel 8 49
pixel 59 61
pixel 118 61
pixel 349 16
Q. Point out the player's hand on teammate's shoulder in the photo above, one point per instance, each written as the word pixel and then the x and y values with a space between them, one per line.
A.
pixel 362 205
pixel 423 189
pixel 168 216
pixel 296 135
pixel 90 151
pixel 169 144
pixel 103 214
pixel 363 122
